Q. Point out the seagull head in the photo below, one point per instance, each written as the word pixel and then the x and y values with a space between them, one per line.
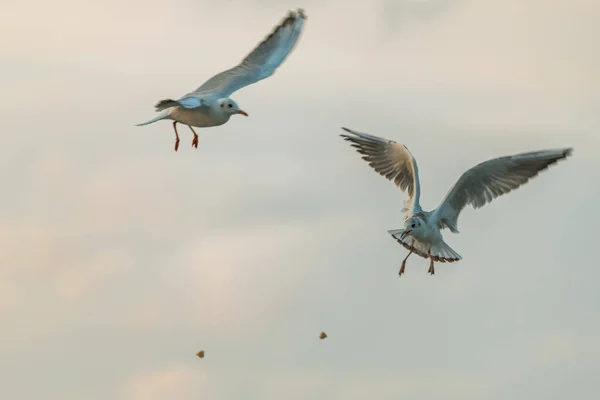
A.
pixel 230 107
pixel 412 226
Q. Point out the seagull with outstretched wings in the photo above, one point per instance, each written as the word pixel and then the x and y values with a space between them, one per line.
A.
pixel 210 105
pixel 479 185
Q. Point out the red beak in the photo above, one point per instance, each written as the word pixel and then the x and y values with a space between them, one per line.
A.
pixel 242 112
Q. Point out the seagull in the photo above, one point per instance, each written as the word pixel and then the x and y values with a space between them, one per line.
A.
pixel 210 105
pixel 479 185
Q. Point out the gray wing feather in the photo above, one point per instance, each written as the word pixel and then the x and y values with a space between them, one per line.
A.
pixel 490 179
pixel 391 160
pixel 260 63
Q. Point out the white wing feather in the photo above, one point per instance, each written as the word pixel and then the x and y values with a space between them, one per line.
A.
pixel 391 160
pixel 490 179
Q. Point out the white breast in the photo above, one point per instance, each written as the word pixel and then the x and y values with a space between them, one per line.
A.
pixel 202 117
pixel 428 233
pixel 432 233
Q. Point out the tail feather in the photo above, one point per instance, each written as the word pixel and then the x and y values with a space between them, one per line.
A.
pixel 164 104
pixel 163 115
pixel 440 251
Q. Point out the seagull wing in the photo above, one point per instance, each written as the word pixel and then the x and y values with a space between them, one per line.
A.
pixel 258 65
pixel 490 179
pixel 391 160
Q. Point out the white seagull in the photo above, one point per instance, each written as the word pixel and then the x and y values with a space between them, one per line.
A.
pixel 478 186
pixel 210 105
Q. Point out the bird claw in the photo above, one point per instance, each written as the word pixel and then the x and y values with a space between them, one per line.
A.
pixel 431 269
pixel 176 144
pixel 195 142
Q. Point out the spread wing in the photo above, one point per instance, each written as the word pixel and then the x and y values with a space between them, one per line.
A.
pixel 490 179
pixel 258 65
pixel 392 160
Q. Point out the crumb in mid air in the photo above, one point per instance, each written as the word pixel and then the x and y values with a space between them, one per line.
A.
pixel 323 335
pixel 200 354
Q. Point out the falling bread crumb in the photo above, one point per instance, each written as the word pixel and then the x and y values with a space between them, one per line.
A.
pixel 323 335
pixel 200 354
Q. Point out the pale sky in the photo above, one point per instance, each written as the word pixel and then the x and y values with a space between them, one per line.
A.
pixel 120 259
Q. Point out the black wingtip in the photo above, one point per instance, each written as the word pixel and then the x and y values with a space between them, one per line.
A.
pixel 301 13
pixel 346 136
pixel 568 152
pixel 295 14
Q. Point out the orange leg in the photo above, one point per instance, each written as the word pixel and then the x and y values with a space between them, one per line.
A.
pixel 176 135
pixel 431 269
pixel 404 261
pixel 195 141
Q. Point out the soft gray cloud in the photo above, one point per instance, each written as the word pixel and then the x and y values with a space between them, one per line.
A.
pixel 119 258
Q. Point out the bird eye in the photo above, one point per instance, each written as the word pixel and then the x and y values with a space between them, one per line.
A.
pixel 412 226
pixel 230 105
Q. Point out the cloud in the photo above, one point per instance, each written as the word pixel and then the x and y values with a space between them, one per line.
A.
pixel 171 382
pixel 563 347
pixel 119 258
